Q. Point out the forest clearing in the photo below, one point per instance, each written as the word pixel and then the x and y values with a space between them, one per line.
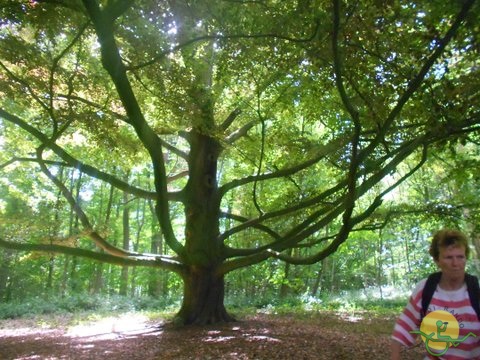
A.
pixel 200 157
pixel 325 335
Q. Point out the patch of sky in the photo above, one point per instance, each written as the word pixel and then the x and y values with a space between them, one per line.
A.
pixel 172 28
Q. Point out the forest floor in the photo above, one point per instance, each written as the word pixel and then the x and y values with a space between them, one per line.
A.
pixel 132 336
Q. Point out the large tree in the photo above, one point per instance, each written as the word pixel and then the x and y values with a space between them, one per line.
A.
pixel 265 122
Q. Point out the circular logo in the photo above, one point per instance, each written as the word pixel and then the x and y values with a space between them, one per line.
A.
pixel 437 326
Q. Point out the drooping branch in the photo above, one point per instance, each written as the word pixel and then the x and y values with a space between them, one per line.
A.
pixel 418 80
pixel 351 197
pixel 373 174
pixel 341 238
pixel 321 153
pixel 304 231
pixel 156 261
pixel 95 236
pixel 53 70
pixel 244 220
pixel 209 38
pixel 311 225
pixel 72 162
pixel 338 65
pixel 260 161
pixel 113 64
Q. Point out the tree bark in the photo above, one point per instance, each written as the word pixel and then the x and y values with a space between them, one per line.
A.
pixel 203 301
pixel 204 286
pixel 5 271
pixel 155 279
pixel 126 244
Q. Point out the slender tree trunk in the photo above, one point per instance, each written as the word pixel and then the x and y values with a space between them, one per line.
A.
pixel 64 281
pixel 155 280
pixel 379 262
pixel 74 282
pixel 318 280
pixel 333 285
pixel 73 228
pixel 285 287
pixel 99 280
pixel 140 216
pixel 476 244
pixel 51 266
pixel 394 274
pixel 5 256
pixel 126 244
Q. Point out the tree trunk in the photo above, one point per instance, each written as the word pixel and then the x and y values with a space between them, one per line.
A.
pixel 97 281
pixel 5 255
pixel 51 265
pixel 155 279
pixel 203 300
pixel 126 244
pixel 285 288
pixel 204 288
pixel 318 280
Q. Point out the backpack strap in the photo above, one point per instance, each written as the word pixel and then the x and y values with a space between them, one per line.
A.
pixel 428 291
pixel 473 289
pixel 473 292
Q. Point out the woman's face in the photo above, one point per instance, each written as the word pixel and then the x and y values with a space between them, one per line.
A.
pixel 452 261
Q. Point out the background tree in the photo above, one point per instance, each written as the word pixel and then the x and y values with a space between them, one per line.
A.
pixel 260 124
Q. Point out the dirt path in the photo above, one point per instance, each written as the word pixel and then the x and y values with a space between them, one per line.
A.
pixel 133 336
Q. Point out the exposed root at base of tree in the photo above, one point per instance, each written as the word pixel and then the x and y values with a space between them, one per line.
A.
pixel 201 320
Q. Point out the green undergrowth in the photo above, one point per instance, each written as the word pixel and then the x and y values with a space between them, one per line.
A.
pixel 84 304
pixel 91 307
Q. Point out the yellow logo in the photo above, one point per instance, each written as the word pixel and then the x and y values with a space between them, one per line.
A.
pixel 440 330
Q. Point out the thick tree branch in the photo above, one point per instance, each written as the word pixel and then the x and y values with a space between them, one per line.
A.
pixel 112 62
pixel 208 38
pixel 156 261
pixel 341 236
pixel 311 225
pixel 376 171
pixel 260 227
pixel 124 118
pixel 116 8
pixel 338 65
pixel 350 198
pixel 97 238
pixel 305 230
pixel 321 153
pixel 241 132
pixel 417 81
pixel 230 119
pixel 74 163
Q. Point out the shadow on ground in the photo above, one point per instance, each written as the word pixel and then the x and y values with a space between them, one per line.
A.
pixel 259 337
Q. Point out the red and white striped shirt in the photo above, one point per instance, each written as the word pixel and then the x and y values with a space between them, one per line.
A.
pixel 457 303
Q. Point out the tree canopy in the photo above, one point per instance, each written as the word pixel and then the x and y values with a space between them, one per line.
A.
pixel 249 128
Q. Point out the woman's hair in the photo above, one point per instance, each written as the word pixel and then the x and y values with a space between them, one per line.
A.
pixel 445 238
